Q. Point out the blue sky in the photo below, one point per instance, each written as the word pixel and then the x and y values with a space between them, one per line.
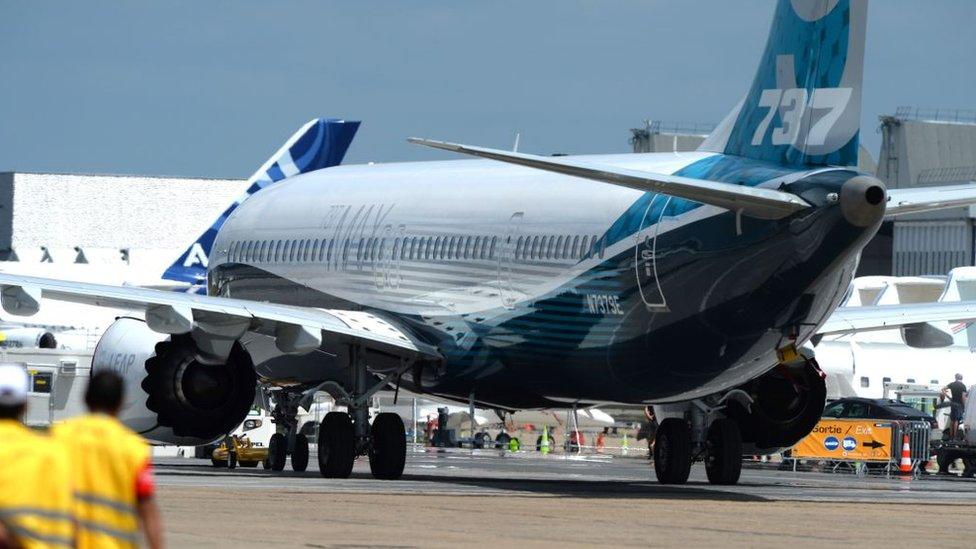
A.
pixel 212 88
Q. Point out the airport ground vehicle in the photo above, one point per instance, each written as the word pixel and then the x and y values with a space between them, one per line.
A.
pixel 243 452
pixel 876 408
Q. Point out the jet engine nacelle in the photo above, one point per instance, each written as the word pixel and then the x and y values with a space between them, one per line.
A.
pixel 787 403
pixel 28 338
pixel 171 396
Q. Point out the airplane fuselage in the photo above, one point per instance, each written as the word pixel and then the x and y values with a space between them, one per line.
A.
pixel 540 289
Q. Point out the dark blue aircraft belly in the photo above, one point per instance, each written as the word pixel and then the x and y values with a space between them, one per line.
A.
pixel 723 296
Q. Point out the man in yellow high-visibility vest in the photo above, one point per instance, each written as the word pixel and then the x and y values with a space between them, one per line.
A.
pixel 111 471
pixel 35 483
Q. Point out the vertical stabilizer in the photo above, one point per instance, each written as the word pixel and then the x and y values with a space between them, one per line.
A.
pixel 804 107
pixel 320 143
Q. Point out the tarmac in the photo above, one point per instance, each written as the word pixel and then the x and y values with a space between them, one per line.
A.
pixel 467 497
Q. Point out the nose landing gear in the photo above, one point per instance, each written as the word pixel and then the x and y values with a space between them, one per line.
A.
pixel 291 442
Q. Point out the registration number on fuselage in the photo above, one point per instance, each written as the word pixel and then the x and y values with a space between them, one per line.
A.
pixel 603 304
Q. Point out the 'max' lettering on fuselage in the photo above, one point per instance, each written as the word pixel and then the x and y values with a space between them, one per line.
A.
pixel 603 304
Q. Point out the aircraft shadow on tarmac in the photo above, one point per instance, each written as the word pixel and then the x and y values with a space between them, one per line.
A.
pixel 550 487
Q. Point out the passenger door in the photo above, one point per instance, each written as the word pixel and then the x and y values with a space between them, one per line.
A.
pixel 506 260
pixel 645 253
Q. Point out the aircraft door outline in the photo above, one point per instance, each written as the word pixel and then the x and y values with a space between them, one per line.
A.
pixel 506 276
pixel 645 255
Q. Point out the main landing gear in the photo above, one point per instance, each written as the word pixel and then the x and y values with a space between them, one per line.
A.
pixel 343 436
pixel 706 436
pixel 291 442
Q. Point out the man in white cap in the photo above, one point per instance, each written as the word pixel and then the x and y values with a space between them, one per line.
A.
pixel 35 482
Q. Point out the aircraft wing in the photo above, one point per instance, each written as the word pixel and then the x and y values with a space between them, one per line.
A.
pixel 295 329
pixel 752 201
pixel 924 199
pixel 846 320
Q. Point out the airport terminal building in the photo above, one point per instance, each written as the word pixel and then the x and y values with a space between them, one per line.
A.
pixel 112 219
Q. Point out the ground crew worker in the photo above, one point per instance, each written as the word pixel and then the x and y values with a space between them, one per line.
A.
pixel 957 392
pixel 112 471
pixel 35 486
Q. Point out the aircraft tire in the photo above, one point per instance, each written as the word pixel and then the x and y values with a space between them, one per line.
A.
pixel 388 451
pixel 232 460
pixel 723 456
pixel 672 451
pixel 218 462
pixel 337 445
pixel 299 456
pixel 483 440
pixel 277 452
pixel 502 440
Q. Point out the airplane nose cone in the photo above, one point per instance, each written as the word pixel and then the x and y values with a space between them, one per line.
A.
pixel 862 200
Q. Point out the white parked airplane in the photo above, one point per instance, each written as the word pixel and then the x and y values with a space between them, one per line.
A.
pixel 686 281
pixel 928 354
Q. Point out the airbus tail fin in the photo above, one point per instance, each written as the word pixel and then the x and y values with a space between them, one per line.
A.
pixel 804 107
pixel 320 143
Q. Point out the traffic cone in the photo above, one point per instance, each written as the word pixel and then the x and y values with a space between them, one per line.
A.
pixel 544 445
pixel 906 456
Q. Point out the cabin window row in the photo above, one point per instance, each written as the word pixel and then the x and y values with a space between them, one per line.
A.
pixel 557 247
pixel 414 248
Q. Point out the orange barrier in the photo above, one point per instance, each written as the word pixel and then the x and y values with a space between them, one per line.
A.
pixel 847 440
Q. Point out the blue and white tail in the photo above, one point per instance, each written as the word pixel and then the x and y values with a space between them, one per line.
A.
pixel 320 143
pixel 804 107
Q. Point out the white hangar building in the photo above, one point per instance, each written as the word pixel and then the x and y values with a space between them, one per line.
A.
pixel 128 220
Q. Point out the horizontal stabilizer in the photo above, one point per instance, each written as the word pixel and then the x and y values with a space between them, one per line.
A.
pixel 752 201
pixel 925 199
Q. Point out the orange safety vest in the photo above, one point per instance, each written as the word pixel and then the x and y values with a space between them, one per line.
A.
pixel 106 458
pixel 35 488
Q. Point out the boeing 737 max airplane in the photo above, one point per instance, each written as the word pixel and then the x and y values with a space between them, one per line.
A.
pixel 687 281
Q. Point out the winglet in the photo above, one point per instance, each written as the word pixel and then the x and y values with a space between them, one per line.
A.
pixel 320 143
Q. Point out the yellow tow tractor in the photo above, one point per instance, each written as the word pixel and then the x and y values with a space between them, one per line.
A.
pixel 245 453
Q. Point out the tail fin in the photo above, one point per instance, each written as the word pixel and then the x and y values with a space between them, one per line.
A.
pixel 320 143
pixel 804 107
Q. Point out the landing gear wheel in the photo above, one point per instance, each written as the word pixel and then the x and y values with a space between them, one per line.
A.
pixel 337 445
pixel 232 460
pixel 218 462
pixel 502 440
pixel 388 452
pixel 672 451
pixel 299 456
pixel 482 440
pixel 277 451
pixel 723 454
